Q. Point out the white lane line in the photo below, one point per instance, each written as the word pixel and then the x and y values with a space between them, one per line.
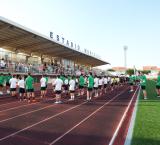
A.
pixel 132 123
pixel 9 103
pixel 48 118
pixel 48 106
pixel 26 113
pixel 93 113
pixel 18 107
pixel 122 119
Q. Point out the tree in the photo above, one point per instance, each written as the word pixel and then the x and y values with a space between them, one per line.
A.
pixel 112 70
pixel 130 71
pixel 146 71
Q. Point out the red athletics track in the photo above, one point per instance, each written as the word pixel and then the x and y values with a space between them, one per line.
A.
pixel 71 123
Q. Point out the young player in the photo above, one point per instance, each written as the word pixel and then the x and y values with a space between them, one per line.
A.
pixel 81 85
pixel 30 88
pixel 131 82
pixel 1 83
pixel 58 89
pixel 21 85
pixel 66 84
pixel 72 85
pixel 90 82
pixel 45 92
pixel 100 85
pixel 96 80
pixel 105 81
pixel 43 83
pixel 158 85
pixel 13 85
pixel 143 81
pixel 7 78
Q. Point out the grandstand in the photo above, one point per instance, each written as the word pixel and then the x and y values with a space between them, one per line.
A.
pixel 23 50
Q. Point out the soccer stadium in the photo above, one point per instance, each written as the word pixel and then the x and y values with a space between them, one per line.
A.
pixel 51 93
pixel 54 92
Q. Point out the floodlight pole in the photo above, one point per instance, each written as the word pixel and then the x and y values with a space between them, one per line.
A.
pixel 125 58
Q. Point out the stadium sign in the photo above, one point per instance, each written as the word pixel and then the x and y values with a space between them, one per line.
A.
pixel 71 44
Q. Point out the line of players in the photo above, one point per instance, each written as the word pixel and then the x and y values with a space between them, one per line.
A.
pixel 95 85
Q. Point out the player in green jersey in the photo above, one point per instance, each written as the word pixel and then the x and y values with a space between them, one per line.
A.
pixel 158 85
pixel 29 87
pixel 7 78
pixel 81 85
pixel 2 79
pixel 143 81
pixel 90 86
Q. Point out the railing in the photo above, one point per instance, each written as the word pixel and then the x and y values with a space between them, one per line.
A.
pixel 36 69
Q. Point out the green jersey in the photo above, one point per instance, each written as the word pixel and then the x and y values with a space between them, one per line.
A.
pixel 7 78
pixel 29 82
pixel 46 80
pixel 62 78
pixel 143 80
pixel 90 82
pixel 137 78
pixel 158 80
pixel 69 78
pixel 131 79
pixel 2 79
pixel 81 81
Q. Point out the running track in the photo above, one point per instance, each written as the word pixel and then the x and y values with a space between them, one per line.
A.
pixel 71 123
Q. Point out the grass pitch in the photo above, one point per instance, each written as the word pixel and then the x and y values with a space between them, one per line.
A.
pixel 147 125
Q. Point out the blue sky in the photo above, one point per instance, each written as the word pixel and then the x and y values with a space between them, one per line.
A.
pixel 102 26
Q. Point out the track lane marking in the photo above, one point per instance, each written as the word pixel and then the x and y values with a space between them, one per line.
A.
pixel 48 118
pixel 48 106
pixel 86 118
pixel 122 119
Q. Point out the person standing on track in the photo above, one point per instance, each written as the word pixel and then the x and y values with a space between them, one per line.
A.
pixel 13 85
pixel 96 79
pixel 46 77
pixel 109 82
pixel 7 78
pixel 21 85
pixel 90 82
pixel 131 82
pixel 66 84
pixel 58 89
pixel 81 85
pixel 72 85
pixel 62 77
pixel 43 83
pixel 100 85
pixel 105 84
pixel 158 85
pixel 143 81
pixel 1 83
pixel 29 88
pixel 112 83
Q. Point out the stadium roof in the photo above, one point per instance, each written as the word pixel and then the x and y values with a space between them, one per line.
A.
pixel 18 38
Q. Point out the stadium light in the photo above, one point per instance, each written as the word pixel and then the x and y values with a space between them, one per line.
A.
pixel 125 58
